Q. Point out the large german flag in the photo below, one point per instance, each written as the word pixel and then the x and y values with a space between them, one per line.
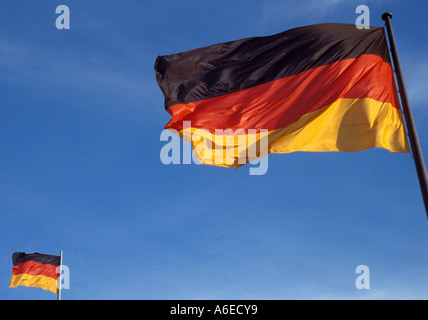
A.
pixel 35 270
pixel 325 87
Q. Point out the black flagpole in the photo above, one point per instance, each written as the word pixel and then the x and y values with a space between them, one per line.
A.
pixel 411 129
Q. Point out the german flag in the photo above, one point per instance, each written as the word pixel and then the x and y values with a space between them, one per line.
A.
pixel 35 270
pixel 324 87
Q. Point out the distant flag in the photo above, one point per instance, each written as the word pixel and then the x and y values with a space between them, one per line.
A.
pixel 35 270
pixel 324 87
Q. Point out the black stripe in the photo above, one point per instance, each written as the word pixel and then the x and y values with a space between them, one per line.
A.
pixel 224 68
pixel 20 257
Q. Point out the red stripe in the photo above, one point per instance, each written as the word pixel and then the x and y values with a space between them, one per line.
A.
pixel 279 103
pixel 35 268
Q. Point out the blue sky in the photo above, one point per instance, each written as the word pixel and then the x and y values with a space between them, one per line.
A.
pixel 80 121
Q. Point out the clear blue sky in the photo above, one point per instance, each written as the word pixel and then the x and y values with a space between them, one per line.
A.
pixel 80 121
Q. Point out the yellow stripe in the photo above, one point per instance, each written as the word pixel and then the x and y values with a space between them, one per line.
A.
pixel 345 125
pixel 39 281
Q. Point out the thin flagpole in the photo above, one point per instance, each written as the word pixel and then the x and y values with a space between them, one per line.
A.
pixel 411 129
pixel 59 276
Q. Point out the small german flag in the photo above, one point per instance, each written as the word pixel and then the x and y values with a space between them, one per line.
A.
pixel 324 87
pixel 35 270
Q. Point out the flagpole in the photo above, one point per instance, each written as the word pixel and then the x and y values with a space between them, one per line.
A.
pixel 59 276
pixel 411 129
